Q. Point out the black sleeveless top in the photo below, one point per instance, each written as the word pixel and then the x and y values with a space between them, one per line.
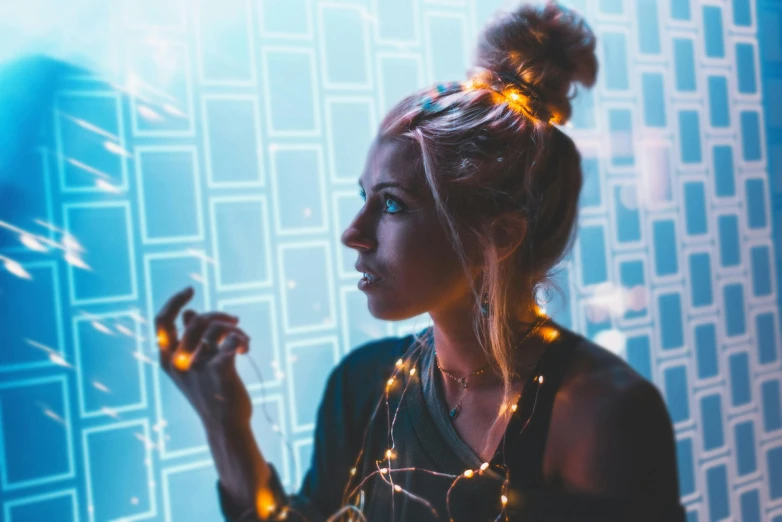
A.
pixel 363 415
pixel 528 430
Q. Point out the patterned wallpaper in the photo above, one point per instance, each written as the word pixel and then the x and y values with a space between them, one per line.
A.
pixel 223 151
pixel 769 31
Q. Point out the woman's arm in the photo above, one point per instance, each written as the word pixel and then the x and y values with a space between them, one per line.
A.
pixel 244 474
pixel 336 444
pixel 351 395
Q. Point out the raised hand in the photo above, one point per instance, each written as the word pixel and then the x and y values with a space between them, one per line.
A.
pixel 202 363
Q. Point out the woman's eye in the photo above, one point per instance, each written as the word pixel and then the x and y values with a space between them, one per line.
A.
pixel 386 199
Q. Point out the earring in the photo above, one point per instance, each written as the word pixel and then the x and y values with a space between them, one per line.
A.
pixel 485 305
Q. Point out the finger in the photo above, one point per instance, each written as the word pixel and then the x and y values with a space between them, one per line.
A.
pixel 164 356
pixel 170 310
pixel 187 315
pixel 164 321
pixel 233 342
pixel 165 329
pixel 215 333
pixel 196 327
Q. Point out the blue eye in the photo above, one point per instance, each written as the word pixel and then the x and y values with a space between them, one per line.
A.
pixel 392 199
pixel 386 199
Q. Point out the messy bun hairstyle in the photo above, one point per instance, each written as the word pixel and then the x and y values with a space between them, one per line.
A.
pixel 490 148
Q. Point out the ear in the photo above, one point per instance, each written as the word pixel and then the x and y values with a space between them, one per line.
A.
pixel 508 232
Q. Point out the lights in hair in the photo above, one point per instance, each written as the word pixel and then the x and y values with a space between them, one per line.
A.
pixel 511 95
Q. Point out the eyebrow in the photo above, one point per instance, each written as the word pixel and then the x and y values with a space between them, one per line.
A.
pixel 385 184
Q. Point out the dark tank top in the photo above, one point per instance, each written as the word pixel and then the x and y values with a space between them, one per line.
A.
pixel 527 433
pixel 425 439
pixel 354 432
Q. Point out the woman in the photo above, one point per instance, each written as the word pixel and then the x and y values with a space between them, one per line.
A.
pixel 495 412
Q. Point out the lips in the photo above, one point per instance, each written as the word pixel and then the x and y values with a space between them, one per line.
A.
pixel 366 271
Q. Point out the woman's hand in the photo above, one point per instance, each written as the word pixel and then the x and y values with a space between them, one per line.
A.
pixel 203 366
pixel 202 363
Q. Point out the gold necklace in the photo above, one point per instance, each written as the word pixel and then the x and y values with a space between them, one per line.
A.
pixel 454 412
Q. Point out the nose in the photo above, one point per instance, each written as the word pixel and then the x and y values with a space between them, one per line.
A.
pixel 358 234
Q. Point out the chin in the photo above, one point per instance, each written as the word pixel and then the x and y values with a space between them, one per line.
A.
pixel 387 312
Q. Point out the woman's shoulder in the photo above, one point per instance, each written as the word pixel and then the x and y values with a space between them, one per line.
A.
pixel 356 384
pixel 597 381
pixel 591 367
pixel 606 416
pixel 360 376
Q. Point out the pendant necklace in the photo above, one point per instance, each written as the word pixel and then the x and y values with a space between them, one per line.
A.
pixel 454 412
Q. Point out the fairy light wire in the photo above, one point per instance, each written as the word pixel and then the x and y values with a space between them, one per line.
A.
pixel 407 365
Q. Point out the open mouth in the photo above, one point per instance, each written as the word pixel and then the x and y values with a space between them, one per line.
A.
pixel 368 280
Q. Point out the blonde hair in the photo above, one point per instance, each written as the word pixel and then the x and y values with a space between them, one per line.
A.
pixel 490 149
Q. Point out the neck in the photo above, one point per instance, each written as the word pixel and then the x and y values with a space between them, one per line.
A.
pixel 460 353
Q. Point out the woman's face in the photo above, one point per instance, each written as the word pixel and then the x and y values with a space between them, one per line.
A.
pixel 399 238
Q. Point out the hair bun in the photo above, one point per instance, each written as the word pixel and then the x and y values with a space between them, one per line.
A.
pixel 546 48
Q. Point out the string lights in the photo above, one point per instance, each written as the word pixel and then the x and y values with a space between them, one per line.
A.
pixel 547 334
pixel 518 95
pixel 267 507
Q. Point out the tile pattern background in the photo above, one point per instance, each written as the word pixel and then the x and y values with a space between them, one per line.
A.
pixel 225 155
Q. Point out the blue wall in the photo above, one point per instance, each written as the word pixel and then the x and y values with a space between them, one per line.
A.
pixel 770 42
pixel 220 146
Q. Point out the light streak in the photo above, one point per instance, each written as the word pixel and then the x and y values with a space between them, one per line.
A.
pixel 15 268
pixel 102 328
pixel 32 243
pixel 105 186
pixel 91 170
pixel 124 330
pixel 89 126
pixel 74 259
pixel 201 255
pixel 147 113
pixel 100 386
pixel 116 148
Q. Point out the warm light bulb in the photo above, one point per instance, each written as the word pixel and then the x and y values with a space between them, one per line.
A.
pixel 390 381
pixel 353 471
pixel 514 407
pixel 400 362
pixel 412 371
pixel 162 338
pixel 264 501
pixel 549 334
pixel 504 499
pixel 540 379
pixel 383 471
pixel 468 473
pixel 484 466
pixel 182 361
pixel 397 488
